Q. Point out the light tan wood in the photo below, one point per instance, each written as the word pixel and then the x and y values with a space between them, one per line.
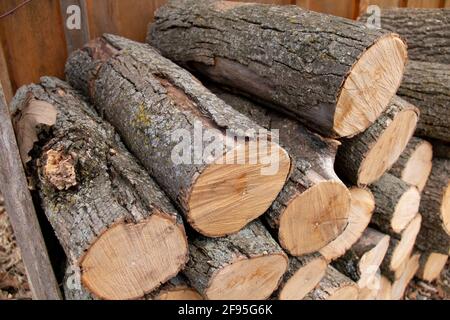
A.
pixel 388 147
pixel 418 168
pixel 314 217
pixel 254 278
pixel 399 285
pixel 406 209
pixel 445 209
pixel 122 263
pixel 304 280
pixel 334 286
pixel 179 294
pixel 431 266
pixel 385 291
pixel 230 193
pixel 404 248
pixel 370 86
pixel 361 210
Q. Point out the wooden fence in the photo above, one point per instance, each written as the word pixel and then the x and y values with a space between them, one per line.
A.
pixel 35 41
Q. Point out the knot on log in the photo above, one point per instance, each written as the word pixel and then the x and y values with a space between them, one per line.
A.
pixel 59 170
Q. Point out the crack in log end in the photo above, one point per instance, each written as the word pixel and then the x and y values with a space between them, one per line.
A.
pixel 59 170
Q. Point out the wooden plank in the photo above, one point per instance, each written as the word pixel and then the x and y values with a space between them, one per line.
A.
pixel 127 18
pixel 343 8
pixel 447 4
pixel 425 3
pixel 277 2
pixel 21 213
pixel 33 40
pixel 4 76
pixel 75 38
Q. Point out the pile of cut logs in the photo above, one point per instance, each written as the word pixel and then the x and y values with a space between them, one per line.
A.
pixel 357 207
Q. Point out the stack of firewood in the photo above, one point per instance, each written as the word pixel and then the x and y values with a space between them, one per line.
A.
pixel 145 206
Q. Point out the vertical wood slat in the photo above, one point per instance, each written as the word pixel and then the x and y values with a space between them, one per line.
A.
pixel 343 8
pixel 4 77
pixel 21 213
pixel 33 41
pixel 75 39
pixel 425 3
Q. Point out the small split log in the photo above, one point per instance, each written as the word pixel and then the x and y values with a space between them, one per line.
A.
pixel 435 208
pixel 313 207
pixel 149 99
pixel 242 266
pixel 361 210
pixel 318 68
pixel 431 265
pixel 397 203
pixel 303 275
pixel 400 250
pixel 334 286
pixel 427 86
pixel 426 31
pixel 110 217
pixel 176 288
pixel 364 158
pixel 362 261
pixel 385 290
pixel 415 163
pixel 399 286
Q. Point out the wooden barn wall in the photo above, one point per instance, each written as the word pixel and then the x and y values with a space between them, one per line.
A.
pixel 34 41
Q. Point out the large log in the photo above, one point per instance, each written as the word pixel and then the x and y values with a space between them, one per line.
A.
pixel 362 261
pixel 335 75
pixel 242 266
pixel 110 217
pixel 427 86
pixel 313 207
pixel 176 128
pixel 426 31
pixel 415 163
pixel 334 286
pixel 303 275
pixel 397 203
pixel 435 208
pixel 431 265
pixel 361 210
pixel 364 158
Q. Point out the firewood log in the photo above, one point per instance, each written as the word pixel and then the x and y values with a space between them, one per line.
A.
pixel 431 265
pixel 385 290
pixel 427 86
pixel 313 207
pixel 242 266
pixel 399 286
pixel 335 75
pixel 219 185
pixel 415 163
pixel 400 250
pixel 111 218
pixel 361 210
pixel 426 31
pixel 435 208
pixel 362 261
pixel 334 286
pixel 364 158
pixel 396 204
pixel 303 275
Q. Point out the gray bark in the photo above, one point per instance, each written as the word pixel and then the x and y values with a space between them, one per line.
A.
pixel 400 165
pixel 427 86
pixel 292 59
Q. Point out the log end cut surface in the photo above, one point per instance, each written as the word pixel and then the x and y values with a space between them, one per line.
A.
pixel 179 294
pixel 125 262
pixel 445 209
pixel 227 195
pixel 418 168
pixel 406 209
pixel 249 279
pixel 433 266
pixel 399 285
pixel 315 218
pixel 304 280
pixel 371 84
pixel 389 147
pixel 406 244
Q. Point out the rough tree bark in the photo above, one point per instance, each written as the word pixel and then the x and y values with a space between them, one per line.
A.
pixel 415 163
pixel 396 204
pixel 435 208
pixel 110 217
pixel 334 286
pixel 431 265
pixel 153 103
pixel 313 207
pixel 318 68
pixel 427 86
pixel 241 266
pixel 364 158
pixel 426 31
